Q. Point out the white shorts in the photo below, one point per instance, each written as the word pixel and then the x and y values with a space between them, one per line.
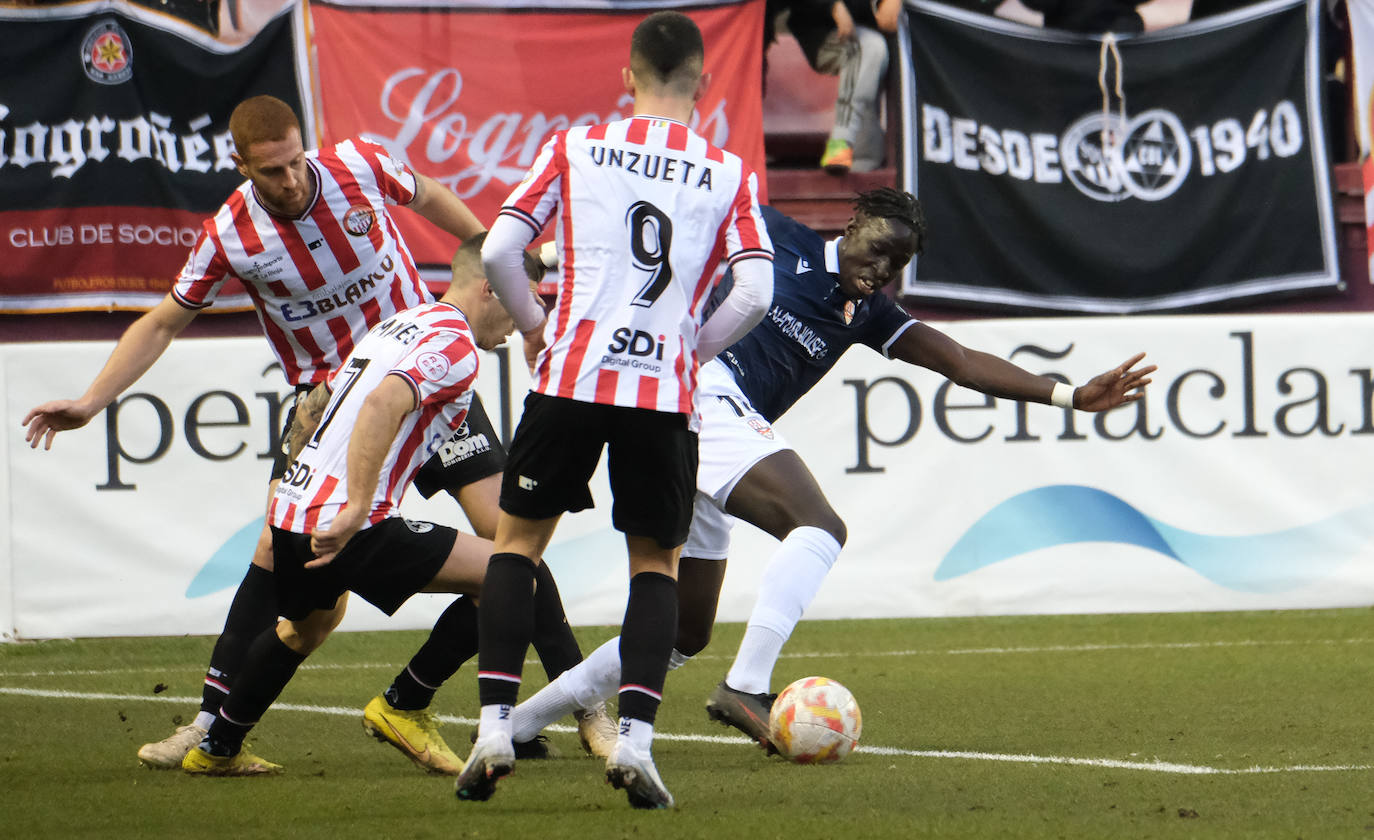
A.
pixel 733 438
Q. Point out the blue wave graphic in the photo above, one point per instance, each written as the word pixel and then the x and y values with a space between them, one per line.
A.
pixel 1062 514
pixel 580 565
pixel 226 566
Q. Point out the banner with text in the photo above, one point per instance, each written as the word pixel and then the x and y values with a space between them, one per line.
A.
pixel 477 90
pixel 115 145
pixel 1157 172
pixel 1228 487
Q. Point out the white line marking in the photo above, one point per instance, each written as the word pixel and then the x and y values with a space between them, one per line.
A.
pixel 1109 763
pixel 848 654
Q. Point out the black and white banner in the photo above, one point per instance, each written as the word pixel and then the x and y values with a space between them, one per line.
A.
pixel 1100 174
pixel 115 144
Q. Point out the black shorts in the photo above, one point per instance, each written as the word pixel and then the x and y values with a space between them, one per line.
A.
pixel 385 564
pixel 652 465
pixel 279 460
pixel 470 455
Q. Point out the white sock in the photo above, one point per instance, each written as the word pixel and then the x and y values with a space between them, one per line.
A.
pixel 789 585
pixel 638 733
pixel 593 680
pixel 494 719
pixel 546 706
pixel 203 720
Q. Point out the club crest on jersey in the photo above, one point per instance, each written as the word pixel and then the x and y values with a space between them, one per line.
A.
pixel 848 312
pixel 106 54
pixel 359 219
pixel 761 427
pixel 433 365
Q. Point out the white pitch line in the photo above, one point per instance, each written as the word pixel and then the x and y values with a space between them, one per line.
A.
pixel 848 654
pixel 1015 758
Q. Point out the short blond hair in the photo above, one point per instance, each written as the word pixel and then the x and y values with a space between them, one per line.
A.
pixel 261 119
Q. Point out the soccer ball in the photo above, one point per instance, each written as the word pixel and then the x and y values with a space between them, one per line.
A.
pixel 815 720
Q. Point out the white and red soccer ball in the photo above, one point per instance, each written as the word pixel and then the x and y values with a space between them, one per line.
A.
pixel 815 720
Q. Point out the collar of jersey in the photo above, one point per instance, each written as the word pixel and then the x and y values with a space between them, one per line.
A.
pixel 832 255
pixel 315 174
pixel 655 117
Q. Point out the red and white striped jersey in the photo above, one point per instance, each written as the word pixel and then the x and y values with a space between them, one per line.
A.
pixel 646 212
pixel 431 347
pixel 321 280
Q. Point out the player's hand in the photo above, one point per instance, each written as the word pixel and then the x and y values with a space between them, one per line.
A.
pixel 45 421
pixel 534 342
pixel 328 543
pixel 1118 386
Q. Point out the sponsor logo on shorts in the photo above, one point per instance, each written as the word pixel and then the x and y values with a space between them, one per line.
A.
pixel 359 219
pixel 106 54
pixel 417 526
pixel 526 483
pixel 761 426
pixel 463 446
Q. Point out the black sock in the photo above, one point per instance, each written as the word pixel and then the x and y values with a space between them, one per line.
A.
pixel 452 642
pixel 253 610
pixel 646 642
pixel 506 624
pixel 553 637
pixel 267 668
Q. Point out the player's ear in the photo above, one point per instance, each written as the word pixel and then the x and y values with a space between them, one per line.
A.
pixel 627 78
pixel 702 85
pixel 239 163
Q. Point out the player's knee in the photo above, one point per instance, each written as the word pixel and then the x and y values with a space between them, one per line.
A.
pixel 830 522
pixel 262 552
pixel 305 637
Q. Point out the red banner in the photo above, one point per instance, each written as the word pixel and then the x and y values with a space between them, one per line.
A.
pixel 472 95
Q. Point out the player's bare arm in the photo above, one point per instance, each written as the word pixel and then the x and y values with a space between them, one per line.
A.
pixel 140 346
pixel 927 347
pixel 373 433
pixel 306 420
pixel 445 210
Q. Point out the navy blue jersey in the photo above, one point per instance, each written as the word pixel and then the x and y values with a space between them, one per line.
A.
pixel 807 327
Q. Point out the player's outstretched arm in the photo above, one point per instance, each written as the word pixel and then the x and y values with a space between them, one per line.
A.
pixel 445 210
pixel 373 433
pixel 141 345
pixel 926 346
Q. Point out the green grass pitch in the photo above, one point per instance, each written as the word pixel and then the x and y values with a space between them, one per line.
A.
pixel 1189 725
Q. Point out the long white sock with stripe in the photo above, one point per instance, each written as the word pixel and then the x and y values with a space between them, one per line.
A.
pixel 790 582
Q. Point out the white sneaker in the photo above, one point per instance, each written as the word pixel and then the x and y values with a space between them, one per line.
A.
pixel 633 772
pixel 597 731
pixel 168 753
pixel 492 758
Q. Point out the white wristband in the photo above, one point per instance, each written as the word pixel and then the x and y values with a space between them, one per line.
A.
pixel 1062 395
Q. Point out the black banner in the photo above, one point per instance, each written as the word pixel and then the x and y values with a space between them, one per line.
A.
pixel 1163 171
pixel 114 145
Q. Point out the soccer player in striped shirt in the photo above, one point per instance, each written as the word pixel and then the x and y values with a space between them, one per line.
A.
pixel 335 519
pixel 646 211
pixel 310 236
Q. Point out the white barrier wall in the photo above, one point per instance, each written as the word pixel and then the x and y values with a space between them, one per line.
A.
pixel 1238 484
